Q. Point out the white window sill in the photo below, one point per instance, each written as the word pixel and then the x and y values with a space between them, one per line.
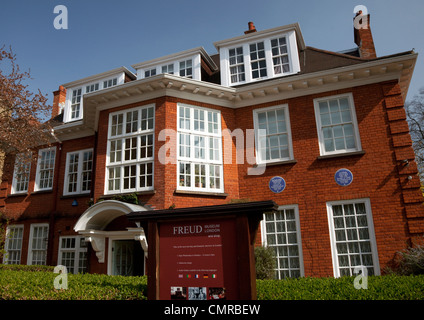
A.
pixel 201 193
pixel 275 163
pixel 342 154
pixel 139 193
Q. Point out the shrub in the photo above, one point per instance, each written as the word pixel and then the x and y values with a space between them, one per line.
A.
pixel 36 283
pixel 264 262
pixel 389 287
pixel 411 261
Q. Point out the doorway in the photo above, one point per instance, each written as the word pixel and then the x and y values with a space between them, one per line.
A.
pixel 127 258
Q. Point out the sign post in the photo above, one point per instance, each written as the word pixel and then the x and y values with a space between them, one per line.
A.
pixel 202 253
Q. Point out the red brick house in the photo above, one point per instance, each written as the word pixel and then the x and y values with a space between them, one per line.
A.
pixel 323 134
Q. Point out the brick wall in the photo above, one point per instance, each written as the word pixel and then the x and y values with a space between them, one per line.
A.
pixel 310 181
pixel 380 174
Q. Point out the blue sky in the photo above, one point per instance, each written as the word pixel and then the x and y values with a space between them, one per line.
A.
pixel 103 35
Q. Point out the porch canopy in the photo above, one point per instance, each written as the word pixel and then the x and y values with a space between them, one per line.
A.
pixel 95 219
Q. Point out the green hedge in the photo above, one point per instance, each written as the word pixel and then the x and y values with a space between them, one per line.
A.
pixel 36 283
pixel 389 287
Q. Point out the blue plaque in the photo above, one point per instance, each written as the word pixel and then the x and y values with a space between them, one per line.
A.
pixel 343 177
pixel 277 184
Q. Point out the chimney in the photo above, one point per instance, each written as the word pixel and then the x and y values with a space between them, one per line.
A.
pixel 363 36
pixel 59 98
pixel 251 28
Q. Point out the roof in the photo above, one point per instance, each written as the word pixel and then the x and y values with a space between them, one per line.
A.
pixel 263 33
pixel 314 60
pixel 100 76
pixel 204 211
pixel 176 56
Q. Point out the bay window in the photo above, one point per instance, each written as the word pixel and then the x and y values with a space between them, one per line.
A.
pixel 130 153
pixel 199 149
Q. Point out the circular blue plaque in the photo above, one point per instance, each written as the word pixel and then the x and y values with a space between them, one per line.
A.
pixel 343 177
pixel 277 184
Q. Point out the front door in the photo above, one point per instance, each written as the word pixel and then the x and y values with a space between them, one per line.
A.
pixel 127 258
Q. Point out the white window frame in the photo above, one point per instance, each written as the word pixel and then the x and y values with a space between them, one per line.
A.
pixel 92 87
pixel 17 246
pixel 86 87
pixel 195 162
pixel 166 68
pixel 31 238
pixel 79 172
pixel 138 161
pixel 371 232
pixel 21 178
pixel 78 104
pixel 150 72
pixel 113 82
pixel 238 66
pixel 258 141
pixel 292 51
pixel 353 121
pixel 76 250
pixel 295 208
pixel 38 173
pixel 160 65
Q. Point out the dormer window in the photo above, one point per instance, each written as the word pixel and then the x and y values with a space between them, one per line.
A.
pixel 257 60
pixel 237 65
pixel 92 87
pixel 168 68
pixel 150 73
pixel 280 55
pixel 73 109
pixel 186 68
pixel 258 56
pixel 188 64
pixel 76 103
pixel 110 83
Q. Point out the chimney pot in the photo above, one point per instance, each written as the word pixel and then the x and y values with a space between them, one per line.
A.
pixel 251 28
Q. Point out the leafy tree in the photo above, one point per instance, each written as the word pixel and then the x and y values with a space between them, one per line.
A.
pixel 21 111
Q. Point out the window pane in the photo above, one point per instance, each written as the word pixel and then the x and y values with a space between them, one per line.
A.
pixel 337 126
pixel 353 244
pixel 281 234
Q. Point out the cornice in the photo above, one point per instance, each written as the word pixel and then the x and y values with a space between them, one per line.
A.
pixel 398 68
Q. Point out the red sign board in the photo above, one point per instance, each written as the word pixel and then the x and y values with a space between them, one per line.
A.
pixel 198 260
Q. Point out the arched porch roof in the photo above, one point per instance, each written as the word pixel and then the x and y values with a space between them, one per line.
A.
pixel 98 216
